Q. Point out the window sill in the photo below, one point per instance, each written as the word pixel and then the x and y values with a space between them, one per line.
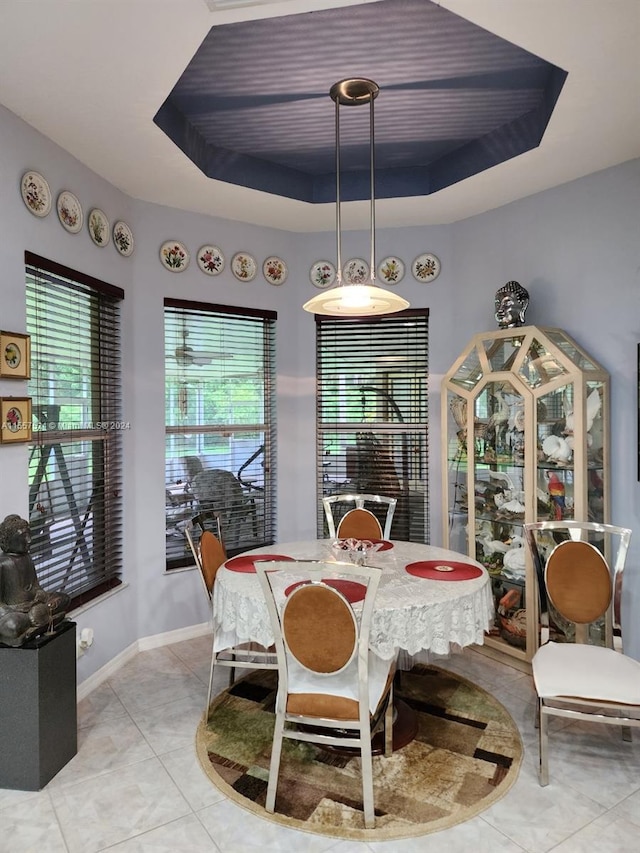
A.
pixel 72 614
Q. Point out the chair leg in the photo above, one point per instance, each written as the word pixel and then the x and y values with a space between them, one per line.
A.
pixel 367 777
pixel 210 690
pixel 543 734
pixel 388 726
pixel 274 767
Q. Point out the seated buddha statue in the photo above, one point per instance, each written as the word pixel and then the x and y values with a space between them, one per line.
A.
pixel 26 609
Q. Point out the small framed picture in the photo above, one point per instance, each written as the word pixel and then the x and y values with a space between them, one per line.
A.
pixel 15 356
pixel 15 419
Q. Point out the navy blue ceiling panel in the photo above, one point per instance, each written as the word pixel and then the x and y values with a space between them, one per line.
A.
pixel 252 107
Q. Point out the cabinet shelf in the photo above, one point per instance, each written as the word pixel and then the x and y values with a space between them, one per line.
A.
pixel 537 406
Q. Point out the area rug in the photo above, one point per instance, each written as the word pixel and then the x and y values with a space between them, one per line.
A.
pixel 465 756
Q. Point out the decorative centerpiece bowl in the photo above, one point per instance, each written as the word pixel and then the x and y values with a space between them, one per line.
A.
pixel 354 550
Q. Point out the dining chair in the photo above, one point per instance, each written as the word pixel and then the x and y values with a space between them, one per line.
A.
pixel 583 672
pixel 209 553
pixel 332 689
pixel 359 525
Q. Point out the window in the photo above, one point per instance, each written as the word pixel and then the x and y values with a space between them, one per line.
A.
pixel 220 423
pixel 372 412
pixel 75 470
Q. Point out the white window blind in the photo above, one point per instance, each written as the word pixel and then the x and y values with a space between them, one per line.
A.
pixel 75 463
pixel 220 423
pixel 372 413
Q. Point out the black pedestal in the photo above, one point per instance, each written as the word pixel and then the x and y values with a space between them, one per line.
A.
pixel 38 712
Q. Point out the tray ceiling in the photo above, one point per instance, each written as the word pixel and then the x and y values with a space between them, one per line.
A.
pixel 92 77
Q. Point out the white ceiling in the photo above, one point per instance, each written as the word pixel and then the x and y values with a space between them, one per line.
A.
pixel 90 75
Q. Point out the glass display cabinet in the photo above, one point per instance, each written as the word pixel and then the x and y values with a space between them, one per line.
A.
pixel 525 432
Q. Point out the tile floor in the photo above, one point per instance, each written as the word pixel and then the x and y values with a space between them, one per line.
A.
pixel 135 784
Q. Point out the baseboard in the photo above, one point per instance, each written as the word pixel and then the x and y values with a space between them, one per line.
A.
pixel 177 636
pixel 143 644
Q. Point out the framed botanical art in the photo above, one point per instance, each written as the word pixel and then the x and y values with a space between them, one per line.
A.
pixel 15 419
pixel 15 356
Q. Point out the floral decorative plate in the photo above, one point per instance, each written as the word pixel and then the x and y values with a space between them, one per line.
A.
pixel 274 270
pixel 98 226
pixel 69 211
pixel 210 260
pixel 123 238
pixel 356 271
pixel 12 356
pixel 174 256
pixel 244 266
pixel 36 193
pixel 322 274
pixel 391 270
pixel 426 267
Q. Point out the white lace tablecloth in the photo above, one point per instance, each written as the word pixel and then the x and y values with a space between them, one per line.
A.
pixel 411 613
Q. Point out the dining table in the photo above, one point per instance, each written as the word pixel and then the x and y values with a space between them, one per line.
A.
pixel 429 599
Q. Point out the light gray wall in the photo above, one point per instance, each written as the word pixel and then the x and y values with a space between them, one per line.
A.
pixel 573 247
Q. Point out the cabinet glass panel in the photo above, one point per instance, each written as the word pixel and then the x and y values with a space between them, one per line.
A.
pixel 469 373
pixel 579 358
pixel 457 473
pixel 502 352
pixel 539 365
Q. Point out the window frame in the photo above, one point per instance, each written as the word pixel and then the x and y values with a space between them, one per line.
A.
pixel 95 559
pixel 393 439
pixel 259 527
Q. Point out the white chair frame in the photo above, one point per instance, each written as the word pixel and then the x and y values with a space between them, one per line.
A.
pixel 583 707
pixel 359 500
pixel 244 656
pixel 362 729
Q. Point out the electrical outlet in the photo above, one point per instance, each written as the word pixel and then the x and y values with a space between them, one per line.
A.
pixel 85 639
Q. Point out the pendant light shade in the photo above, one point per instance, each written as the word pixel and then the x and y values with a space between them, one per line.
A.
pixel 355 300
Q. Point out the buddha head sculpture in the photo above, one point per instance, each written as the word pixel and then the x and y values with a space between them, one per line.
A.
pixel 511 302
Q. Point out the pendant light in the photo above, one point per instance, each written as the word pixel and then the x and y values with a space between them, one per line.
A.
pixel 355 300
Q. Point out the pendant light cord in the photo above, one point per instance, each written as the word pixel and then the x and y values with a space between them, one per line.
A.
pixel 372 267
pixel 338 217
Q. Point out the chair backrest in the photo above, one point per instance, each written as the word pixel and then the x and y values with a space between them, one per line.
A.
pixel 337 504
pixel 209 552
pixel 359 524
pixel 313 623
pixel 315 610
pixel 217 489
pixel 579 568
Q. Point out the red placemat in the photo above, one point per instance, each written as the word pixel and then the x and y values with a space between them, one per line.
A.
pixel 352 590
pixel 443 570
pixel 385 545
pixel 246 562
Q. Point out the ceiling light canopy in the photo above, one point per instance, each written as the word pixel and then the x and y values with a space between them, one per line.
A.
pixel 355 299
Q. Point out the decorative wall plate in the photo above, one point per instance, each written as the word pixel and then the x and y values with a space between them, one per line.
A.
pixel 391 270
pixel 123 238
pixel 36 193
pixel 15 419
pixel 244 266
pixel 210 260
pixel 274 270
pixel 98 226
pixel 426 267
pixel 69 211
pixel 322 274
pixel 15 355
pixel 174 256
pixel 356 271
